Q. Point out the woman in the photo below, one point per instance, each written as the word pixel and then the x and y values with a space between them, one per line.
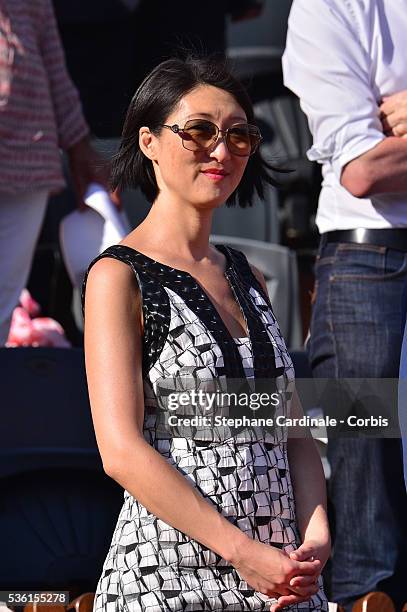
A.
pixel 206 524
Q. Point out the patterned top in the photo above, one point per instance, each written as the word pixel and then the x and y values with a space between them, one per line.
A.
pixel 40 109
pixel 151 566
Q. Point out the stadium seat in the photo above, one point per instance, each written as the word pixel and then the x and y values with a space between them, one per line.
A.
pixel 83 603
pixel 374 602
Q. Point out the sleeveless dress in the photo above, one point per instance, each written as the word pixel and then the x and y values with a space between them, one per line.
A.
pixel 151 566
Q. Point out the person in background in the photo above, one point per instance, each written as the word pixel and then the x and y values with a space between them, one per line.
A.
pixel 40 113
pixel 403 386
pixel 346 62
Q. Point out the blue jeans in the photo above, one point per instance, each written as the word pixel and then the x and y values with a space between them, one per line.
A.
pixel 403 385
pixel 356 332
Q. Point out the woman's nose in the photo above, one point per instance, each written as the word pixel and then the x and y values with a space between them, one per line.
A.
pixel 219 149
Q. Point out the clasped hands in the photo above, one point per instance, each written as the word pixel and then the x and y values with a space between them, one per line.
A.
pixel 303 586
pixel 290 578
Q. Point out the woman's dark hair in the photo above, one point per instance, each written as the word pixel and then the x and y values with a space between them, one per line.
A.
pixel 154 101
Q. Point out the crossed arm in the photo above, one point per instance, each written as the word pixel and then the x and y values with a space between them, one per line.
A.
pixel 382 169
pixel 325 64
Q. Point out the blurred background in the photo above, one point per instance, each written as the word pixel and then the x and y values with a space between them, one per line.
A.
pixel 110 46
pixel 60 508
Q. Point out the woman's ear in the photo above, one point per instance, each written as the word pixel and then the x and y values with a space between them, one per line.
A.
pixel 147 142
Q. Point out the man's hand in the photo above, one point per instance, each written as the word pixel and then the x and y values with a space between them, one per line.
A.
pixel 87 167
pixel 393 114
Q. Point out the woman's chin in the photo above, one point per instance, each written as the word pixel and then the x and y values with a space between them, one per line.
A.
pixel 213 200
pixel 215 196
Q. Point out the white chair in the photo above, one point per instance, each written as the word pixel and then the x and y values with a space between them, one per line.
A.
pixel 279 266
pixel 260 221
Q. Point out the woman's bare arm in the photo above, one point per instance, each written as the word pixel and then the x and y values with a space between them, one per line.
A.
pixel 308 481
pixel 113 356
pixel 113 351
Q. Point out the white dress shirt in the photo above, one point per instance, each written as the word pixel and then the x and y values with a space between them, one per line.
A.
pixel 341 58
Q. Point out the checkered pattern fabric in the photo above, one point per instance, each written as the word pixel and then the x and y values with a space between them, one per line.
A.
pixel 152 566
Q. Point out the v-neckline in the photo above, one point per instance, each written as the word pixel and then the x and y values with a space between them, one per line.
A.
pixel 223 249
pixel 228 273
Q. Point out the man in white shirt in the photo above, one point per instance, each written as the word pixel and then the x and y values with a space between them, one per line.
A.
pixel 346 61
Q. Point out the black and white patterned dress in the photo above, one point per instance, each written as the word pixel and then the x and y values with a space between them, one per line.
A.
pixel 151 566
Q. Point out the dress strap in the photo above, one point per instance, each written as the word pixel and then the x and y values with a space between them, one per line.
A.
pixel 244 272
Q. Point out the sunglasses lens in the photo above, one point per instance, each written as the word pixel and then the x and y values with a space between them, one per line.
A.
pixel 198 134
pixel 243 139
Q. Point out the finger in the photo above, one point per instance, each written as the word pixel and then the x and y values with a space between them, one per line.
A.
pixel 303 552
pixel 392 120
pixel 388 106
pixel 386 125
pixel 305 568
pixel 281 591
pixel 272 594
pixel 400 129
pixel 287 600
pixel 307 591
pixel 302 581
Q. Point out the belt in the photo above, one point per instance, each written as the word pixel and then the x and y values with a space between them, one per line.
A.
pixel 393 238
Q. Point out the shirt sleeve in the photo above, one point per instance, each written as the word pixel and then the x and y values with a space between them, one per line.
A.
pixel 326 66
pixel 71 124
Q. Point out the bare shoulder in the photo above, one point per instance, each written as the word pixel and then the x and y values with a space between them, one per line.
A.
pixel 260 277
pixel 111 283
pixel 113 355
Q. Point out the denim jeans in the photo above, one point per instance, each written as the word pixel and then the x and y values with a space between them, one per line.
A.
pixel 402 390
pixel 356 332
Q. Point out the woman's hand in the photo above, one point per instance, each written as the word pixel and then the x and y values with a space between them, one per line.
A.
pixel 270 570
pixel 313 549
pixel 308 551
pixel 393 114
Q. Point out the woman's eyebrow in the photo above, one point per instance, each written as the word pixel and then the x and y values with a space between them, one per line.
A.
pixel 237 118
